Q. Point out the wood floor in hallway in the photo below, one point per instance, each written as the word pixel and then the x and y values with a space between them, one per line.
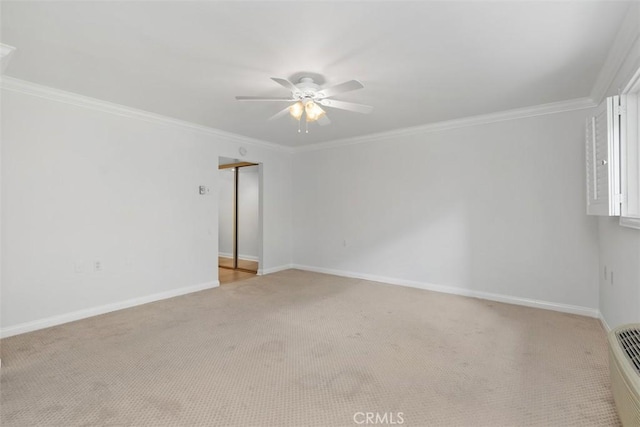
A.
pixel 226 274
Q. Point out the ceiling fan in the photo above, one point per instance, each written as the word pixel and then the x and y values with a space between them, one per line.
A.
pixel 307 96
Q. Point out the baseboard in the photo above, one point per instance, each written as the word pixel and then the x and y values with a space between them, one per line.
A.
pixel 240 256
pixel 603 322
pixel 95 311
pixel 564 308
pixel 264 271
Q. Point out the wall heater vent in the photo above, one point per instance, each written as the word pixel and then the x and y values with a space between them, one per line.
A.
pixel 630 342
pixel 624 365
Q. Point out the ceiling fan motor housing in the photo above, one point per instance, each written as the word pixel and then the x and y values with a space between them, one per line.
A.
pixel 307 88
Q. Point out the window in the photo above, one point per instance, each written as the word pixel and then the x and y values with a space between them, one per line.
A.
pixel 630 153
pixel 613 156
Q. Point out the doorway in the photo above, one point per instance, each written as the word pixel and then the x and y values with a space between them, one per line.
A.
pixel 238 220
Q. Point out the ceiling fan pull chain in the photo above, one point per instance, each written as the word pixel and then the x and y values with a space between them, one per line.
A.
pixel 306 126
pixel 299 121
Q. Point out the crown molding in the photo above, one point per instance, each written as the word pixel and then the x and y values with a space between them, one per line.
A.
pixel 518 113
pixel 34 89
pixel 627 36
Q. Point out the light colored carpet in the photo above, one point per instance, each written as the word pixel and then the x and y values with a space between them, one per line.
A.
pixel 297 348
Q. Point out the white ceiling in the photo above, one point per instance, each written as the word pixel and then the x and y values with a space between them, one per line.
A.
pixel 420 62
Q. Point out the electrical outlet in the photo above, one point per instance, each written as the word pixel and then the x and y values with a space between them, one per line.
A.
pixel 97 266
pixel 78 267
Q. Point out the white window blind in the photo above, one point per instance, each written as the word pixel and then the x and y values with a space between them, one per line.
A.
pixel 603 159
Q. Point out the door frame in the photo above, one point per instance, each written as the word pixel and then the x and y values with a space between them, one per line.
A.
pixel 237 166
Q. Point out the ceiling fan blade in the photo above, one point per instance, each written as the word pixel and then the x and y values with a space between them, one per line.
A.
pixel 324 120
pixel 350 106
pixel 341 88
pixel 280 113
pixel 285 83
pixel 263 98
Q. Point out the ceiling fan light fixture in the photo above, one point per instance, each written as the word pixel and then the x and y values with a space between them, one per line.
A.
pixel 308 97
pixel 313 110
pixel 296 110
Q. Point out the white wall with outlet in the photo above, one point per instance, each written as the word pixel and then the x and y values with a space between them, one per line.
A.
pixel 619 247
pixel 619 272
pixel 494 210
pixel 102 210
pixel 248 212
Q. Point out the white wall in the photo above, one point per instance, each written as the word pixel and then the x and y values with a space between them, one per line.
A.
pixel 619 247
pixel 496 208
pixel 248 212
pixel 620 254
pixel 81 185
